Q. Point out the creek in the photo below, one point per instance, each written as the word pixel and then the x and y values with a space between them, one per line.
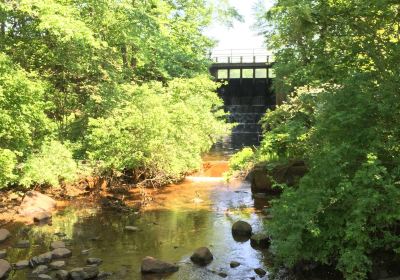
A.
pixel 198 212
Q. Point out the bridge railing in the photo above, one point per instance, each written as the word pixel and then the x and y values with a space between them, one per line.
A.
pixel 242 56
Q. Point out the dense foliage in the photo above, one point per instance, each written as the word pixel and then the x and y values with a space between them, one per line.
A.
pixel 338 61
pixel 68 68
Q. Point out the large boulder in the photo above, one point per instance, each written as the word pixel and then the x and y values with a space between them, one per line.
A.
pixel 152 265
pixel 4 235
pixel 262 178
pixel 202 256
pixel 35 203
pixel 5 269
pixel 241 228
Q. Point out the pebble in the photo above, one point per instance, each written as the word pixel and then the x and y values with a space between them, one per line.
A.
pixel 234 264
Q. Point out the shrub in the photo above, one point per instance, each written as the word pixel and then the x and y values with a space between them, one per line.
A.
pixel 8 161
pixel 160 130
pixel 51 165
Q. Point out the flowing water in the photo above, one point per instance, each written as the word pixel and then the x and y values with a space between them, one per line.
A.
pixel 198 212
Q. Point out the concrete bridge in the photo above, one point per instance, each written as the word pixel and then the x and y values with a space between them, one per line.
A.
pixel 248 91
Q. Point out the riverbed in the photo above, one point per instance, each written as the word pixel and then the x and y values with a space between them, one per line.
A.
pixel 179 218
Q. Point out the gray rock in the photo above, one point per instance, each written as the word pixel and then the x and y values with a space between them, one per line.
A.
pixel 202 256
pixel 4 234
pixel 22 244
pixel 152 265
pixel 241 228
pixel 21 264
pixel 44 277
pixel 260 272
pixel 56 265
pixel 61 253
pixel 83 273
pixel 96 261
pixel 57 244
pixel 5 269
pixel 62 275
pixel 41 269
pixel 131 228
pixel 41 259
pixel 3 254
pixel 234 264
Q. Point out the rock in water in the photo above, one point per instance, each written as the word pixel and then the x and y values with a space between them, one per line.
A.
pixel 44 277
pixel 41 259
pixel 3 254
pixel 5 268
pixel 83 273
pixel 61 253
pixel 56 265
pixel 202 256
pixel 96 261
pixel 260 240
pixel 234 264
pixel 35 202
pixel 62 275
pixel 242 228
pixel 57 244
pixel 41 269
pixel 4 234
pixel 260 272
pixel 152 265
pixel 22 264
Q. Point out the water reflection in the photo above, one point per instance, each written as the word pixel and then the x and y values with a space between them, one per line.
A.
pixel 180 219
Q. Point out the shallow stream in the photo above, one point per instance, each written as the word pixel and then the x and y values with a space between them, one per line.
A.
pixel 198 212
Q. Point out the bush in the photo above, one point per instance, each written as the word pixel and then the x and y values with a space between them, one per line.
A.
pixel 8 161
pixel 158 130
pixel 241 162
pixel 51 165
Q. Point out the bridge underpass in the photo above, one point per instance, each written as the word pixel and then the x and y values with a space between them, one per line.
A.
pixel 247 92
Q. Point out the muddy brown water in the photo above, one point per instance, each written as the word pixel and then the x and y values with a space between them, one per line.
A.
pixel 198 212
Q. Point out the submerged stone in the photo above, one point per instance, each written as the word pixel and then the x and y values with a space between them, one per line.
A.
pixel 202 256
pixel 152 265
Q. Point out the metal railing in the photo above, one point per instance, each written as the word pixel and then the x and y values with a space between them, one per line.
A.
pixel 242 56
